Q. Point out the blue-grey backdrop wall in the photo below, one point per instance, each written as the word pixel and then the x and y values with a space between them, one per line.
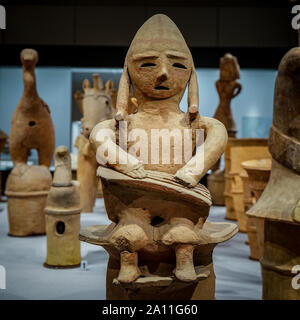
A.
pixel 252 109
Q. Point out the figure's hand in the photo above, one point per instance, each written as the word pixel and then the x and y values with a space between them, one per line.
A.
pixel 138 173
pixel 186 178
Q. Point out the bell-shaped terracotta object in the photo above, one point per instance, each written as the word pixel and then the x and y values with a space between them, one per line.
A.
pixel 27 188
pixel 279 203
pixel 63 215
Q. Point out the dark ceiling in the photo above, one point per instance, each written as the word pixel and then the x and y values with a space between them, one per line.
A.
pixel 93 33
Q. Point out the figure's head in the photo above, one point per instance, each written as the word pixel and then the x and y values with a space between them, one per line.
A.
pixel 29 58
pixel 95 104
pixel 158 64
pixel 229 68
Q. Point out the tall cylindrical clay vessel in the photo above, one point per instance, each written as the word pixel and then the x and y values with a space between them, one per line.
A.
pixel 63 215
pixel 279 204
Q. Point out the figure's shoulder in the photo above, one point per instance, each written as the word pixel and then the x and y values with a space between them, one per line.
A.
pixel 108 125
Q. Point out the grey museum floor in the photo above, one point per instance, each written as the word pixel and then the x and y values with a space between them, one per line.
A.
pixel 237 277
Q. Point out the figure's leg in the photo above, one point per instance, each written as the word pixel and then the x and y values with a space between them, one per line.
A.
pixel 18 154
pixel 132 233
pixel 182 233
pixel 45 155
pixel 185 270
pixel 129 270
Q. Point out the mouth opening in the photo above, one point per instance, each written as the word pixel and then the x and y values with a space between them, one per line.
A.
pixel 161 88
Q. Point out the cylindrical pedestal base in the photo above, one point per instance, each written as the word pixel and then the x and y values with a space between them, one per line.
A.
pixel 63 245
pixel 177 290
pixel 26 215
pixel 281 255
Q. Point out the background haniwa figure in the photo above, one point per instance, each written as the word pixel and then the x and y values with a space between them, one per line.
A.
pixel 27 187
pixel 95 104
pixel 31 125
pixel 228 88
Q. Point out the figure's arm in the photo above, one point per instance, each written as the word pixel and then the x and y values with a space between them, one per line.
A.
pixel 206 156
pixel 108 153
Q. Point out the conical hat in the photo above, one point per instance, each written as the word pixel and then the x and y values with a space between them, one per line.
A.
pixel 158 33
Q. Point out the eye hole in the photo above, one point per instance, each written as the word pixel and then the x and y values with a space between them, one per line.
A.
pixel 106 102
pixel 148 64
pixel 179 65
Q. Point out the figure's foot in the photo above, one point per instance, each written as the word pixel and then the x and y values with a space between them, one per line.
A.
pixel 129 270
pixel 185 270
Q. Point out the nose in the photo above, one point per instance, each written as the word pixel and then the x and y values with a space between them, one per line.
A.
pixel 163 73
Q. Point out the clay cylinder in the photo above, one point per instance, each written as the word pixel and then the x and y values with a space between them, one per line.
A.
pixel 216 186
pixel 230 213
pixel 258 172
pixel 63 215
pixel 281 255
pixel 27 189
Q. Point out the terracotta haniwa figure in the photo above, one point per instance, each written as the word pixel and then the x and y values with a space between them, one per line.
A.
pixel 228 88
pixel 96 106
pixel 31 126
pixel 279 204
pixel 63 215
pixel 158 210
